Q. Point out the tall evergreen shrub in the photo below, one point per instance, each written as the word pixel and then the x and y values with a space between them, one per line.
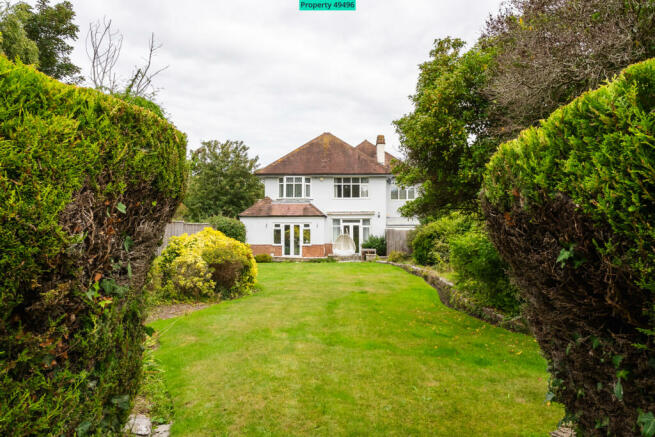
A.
pixel 571 207
pixel 87 184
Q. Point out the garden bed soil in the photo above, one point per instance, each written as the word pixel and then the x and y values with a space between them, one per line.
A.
pixel 173 310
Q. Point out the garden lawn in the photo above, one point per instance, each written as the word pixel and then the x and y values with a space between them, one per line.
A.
pixel 349 349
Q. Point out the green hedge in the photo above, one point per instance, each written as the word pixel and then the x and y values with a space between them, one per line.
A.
pixel 377 243
pixel 481 273
pixel 571 207
pixel 87 184
pixel 263 258
pixel 231 227
pixel 430 241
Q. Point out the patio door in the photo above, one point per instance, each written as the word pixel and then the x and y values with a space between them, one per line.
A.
pixel 291 242
pixel 352 229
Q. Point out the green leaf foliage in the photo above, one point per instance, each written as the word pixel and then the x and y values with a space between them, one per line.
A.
pixel 39 35
pixel 16 44
pixel 70 314
pixel 583 180
pixel 646 422
pixel 379 243
pixel 222 181
pixel 430 242
pixel 206 265
pixel 445 137
pixel 481 273
pixel 598 150
pixel 51 27
pixel 231 227
pixel 263 258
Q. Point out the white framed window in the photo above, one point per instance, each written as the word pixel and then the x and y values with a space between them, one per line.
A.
pixel 350 188
pixel 277 234
pixel 306 234
pixel 399 193
pixel 294 187
pixel 336 229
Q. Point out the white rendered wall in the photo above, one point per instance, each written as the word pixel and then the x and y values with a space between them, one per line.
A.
pixel 378 203
pixel 259 230
pixel 395 218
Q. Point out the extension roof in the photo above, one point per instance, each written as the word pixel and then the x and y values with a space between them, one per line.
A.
pixel 267 208
pixel 327 155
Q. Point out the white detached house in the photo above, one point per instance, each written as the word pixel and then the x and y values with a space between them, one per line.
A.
pixel 322 190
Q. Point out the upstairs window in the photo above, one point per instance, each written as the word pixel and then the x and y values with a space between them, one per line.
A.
pixel 350 188
pixel 294 187
pixel 398 193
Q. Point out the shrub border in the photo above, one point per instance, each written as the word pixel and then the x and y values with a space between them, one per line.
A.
pixel 452 298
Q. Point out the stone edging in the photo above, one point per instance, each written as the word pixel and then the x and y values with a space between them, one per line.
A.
pixel 455 300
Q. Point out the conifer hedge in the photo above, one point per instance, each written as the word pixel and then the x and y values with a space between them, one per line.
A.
pixel 571 207
pixel 87 184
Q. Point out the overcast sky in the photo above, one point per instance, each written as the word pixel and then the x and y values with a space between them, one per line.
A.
pixel 263 72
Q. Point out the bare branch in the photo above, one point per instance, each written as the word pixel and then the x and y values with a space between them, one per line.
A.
pixel 103 48
pixel 141 82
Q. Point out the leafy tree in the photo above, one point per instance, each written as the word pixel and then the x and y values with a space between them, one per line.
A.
pixel 231 227
pixel 446 138
pixel 222 180
pixel 39 36
pixel 15 43
pixel 551 51
pixel 50 27
pixel 534 56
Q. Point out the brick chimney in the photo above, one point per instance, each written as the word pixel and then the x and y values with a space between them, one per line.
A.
pixel 379 148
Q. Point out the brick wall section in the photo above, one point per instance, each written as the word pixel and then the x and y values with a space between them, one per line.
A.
pixel 259 249
pixel 313 251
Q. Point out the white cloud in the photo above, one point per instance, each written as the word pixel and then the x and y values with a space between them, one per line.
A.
pixel 263 72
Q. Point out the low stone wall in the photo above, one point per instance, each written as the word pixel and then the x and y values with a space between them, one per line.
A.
pixel 450 297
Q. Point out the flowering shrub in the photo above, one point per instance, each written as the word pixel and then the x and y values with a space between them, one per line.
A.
pixel 204 265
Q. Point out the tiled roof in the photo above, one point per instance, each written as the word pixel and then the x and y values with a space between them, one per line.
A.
pixel 267 208
pixel 369 149
pixel 325 154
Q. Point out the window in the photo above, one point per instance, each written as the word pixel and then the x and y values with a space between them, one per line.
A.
pixel 336 229
pixel 366 229
pixel 402 193
pixel 306 234
pixel 350 188
pixel 277 234
pixel 292 187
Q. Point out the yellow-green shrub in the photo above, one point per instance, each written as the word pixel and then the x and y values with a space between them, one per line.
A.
pixel 204 265
pixel 263 258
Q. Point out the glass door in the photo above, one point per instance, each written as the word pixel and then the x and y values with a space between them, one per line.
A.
pixel 351 228
pixel 291 243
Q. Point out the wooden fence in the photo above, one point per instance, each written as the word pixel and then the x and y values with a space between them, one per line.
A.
pixel 397 240
pixel 177 228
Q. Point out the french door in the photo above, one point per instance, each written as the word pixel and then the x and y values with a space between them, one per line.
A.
pixel 291 242
pixel 352 229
